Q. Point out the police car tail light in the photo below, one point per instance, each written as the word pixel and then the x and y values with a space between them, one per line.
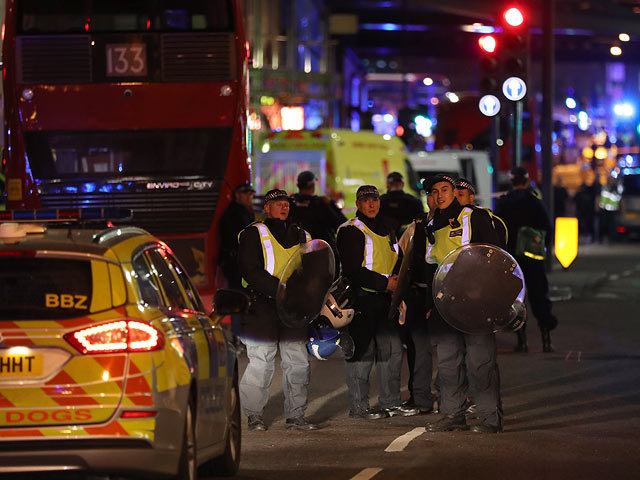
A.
pixel 114 337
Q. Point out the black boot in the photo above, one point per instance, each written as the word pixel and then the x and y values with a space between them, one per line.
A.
pixel 522 341
pixel 546 341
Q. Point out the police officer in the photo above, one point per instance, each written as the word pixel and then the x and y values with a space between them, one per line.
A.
pixel 264 251
pixel 521 208
pixel 369 254
pixel 466 195
pixel 415 334
pixel 451 227
pixel 397 207
pixel 236 217
pixel 320 216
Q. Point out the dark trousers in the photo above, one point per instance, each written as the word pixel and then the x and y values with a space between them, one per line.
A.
pixel 416 338
pixel 535 278
pixel 376 341
pixel 467 367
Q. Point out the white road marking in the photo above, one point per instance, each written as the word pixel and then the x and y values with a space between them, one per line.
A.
pixel 317 403
pixel 626 273
pixel 366 474
pixel 402 441
pixel 614 276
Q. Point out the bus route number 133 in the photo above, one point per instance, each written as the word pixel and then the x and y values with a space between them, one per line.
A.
pixel 126 60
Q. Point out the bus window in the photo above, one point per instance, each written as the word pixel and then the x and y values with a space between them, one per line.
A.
pixel 70 16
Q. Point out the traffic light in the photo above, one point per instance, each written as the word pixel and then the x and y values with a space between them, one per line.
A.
pixel 514 51
pixel 490 71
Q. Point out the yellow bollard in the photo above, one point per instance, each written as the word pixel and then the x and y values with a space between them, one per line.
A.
pixel 566 240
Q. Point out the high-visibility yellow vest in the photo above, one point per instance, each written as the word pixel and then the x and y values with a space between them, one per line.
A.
pixel 379 255
pixel 449 238
pixel 275 256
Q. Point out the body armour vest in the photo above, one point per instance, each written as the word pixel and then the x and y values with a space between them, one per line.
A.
pixel 275 256
pixel 379 255
pixel 449 238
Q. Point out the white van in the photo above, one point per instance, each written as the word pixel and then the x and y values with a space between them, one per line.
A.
pixel 470 164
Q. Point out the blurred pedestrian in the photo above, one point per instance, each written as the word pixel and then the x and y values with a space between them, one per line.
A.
pixel 320 216
pixel 585 200
pixel 397 207
pixel 529 236
pixel 265 248
pixel 560 199
pixel 235 218
pixel 463 359
pixel 369 253
pixel 608 208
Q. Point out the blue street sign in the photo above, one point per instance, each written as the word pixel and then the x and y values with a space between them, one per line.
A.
pixel 489 105
pixel 514 88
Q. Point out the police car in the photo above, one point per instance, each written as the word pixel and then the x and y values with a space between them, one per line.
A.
pixel 109 361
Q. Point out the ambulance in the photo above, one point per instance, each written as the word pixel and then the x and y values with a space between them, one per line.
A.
pixel 342 160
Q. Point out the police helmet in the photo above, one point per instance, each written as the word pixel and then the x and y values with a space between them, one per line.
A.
pixel 323 341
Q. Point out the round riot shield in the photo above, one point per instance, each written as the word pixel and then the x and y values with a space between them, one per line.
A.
pixel 480 289
pixel 404 280
pixel 304 283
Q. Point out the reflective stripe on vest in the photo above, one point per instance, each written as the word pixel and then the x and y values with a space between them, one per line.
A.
pixel 445 243
pixel 267 248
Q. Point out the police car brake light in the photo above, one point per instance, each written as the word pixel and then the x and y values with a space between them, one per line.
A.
pixel 117 337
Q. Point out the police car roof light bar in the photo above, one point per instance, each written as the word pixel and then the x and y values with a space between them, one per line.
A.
pixel 67 214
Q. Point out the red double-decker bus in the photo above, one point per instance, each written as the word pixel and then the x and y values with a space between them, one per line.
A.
pixel 130 104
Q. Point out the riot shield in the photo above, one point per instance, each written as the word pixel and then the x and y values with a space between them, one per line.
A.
pixel 304 284
pixel 480 289
pixel 404 280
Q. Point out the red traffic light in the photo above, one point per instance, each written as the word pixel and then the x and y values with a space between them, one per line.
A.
pixel 488 43
pixel 513 16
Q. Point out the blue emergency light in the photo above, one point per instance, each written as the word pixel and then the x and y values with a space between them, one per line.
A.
pixel 66 214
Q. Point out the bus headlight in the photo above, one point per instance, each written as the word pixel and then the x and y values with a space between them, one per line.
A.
pixel 27 94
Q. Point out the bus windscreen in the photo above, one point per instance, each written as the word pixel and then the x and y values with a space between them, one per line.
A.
pixel 82 16
pixel 119 153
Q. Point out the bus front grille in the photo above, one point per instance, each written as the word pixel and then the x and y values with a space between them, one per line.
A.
pixel 54 59
pixel 198 57
pixel 159 212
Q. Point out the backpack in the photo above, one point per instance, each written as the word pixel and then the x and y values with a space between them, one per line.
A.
pixel 530 243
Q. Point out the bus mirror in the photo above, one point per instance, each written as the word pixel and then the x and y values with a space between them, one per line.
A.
pixel 226 302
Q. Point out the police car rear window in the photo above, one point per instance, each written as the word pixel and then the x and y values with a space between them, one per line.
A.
pixel 45 288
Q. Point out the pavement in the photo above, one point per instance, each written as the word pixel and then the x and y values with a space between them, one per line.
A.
pixel 581 276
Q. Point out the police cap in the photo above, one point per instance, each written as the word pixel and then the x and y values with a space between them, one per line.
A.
pixel 275 195
pixel 519 175
pixel 244 187
pixel 427 183
pixel 462 183
pixel 367 191
pixel 305 178
pixel 395 177
pixel 442 177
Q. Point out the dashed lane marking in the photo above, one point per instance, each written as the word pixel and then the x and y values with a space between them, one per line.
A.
pixel 317 403
pixel 570 352
pixel 614 276
pixel 626 273
pixel 367 473
pixel 402 441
